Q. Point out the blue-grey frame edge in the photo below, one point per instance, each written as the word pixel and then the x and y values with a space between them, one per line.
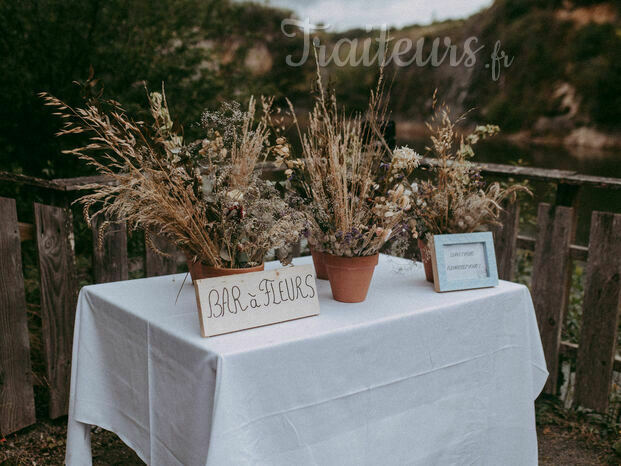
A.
pixel 443 284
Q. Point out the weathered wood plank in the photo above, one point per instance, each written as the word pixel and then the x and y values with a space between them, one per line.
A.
pixel 600 182
pixel 17 408
pixel 494 169
pixel 84 183
pixel 600 315
pixel 505 240
pixel 156 264
pixel 110 260
pixel 540 174
pixel 58 299
pixel 30 181
pixel 570 350
pixel 550 280
pixel 577 252
pixel 26 231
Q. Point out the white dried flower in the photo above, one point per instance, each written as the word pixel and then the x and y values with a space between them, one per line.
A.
pixel 405 158
pixel 235 195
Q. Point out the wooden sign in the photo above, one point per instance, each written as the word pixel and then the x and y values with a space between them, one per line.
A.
pixel 463 261
pixel 238 302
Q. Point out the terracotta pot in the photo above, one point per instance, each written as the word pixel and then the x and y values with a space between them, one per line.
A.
pixel 350 277
pixel 198 270
pixel 426 258
pixel 320 266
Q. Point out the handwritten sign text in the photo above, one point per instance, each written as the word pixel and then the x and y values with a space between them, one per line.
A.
pixel 238 302
pixel 465 261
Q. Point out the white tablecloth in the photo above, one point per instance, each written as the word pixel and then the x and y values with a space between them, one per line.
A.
pixel 409 376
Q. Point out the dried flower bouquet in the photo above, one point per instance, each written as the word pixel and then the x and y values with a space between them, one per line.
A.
pixel 356 187
pixel 205 196
pixel 455 199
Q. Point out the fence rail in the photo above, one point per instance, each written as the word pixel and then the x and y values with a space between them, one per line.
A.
pixel 552 248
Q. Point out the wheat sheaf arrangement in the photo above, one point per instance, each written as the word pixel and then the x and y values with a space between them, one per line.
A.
pixel 356 187
pixel 455 198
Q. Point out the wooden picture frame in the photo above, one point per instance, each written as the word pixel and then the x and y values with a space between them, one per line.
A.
pixel 463 261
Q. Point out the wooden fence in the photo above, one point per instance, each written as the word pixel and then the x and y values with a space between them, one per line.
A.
pixel 552 247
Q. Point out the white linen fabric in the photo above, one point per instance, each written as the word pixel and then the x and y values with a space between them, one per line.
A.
pixel 410 376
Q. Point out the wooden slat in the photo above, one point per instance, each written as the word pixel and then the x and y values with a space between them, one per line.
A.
pixel 156 264
pixel 30 181
pixel 58 299
pixel 494 169
pixel 110 261
pixel 548 175
pixel 550 280
pixel 17 408
pixel 26 231
pixel 565 177
pixel 577 252
pixel 83 183
pixel 600 182
pixel 498 170
pixel 505 240
pixel 570 350
pixel 600 315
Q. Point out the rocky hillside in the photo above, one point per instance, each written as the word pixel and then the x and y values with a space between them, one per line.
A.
pixel 566 78
pixel 563 84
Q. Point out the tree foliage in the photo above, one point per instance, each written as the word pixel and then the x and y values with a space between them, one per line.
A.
pixel 46 45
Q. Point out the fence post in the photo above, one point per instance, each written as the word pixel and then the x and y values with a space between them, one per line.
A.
pixel 54 231
pixel 600 315
pixel 110 261
pixel 505 239
pixel 17 408
pixel 550 280
pixel 156 264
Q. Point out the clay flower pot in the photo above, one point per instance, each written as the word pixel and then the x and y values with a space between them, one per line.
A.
pixel 320 266
pixel 425 254
pixel 350 277
pixel 198 270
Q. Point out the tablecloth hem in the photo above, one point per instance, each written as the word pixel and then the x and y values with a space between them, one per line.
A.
pixel 107 427
pixel 538 387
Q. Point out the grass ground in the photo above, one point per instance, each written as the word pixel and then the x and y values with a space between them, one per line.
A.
pixel 566 437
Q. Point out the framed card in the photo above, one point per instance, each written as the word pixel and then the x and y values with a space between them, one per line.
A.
pixel 463 261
